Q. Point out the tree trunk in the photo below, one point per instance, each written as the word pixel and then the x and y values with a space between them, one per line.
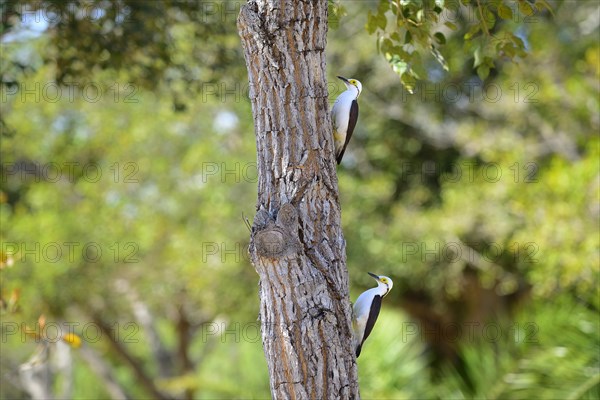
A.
pixel 297 246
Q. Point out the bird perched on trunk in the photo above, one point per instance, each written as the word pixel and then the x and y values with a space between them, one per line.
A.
pixel 344 115
pixel 366 310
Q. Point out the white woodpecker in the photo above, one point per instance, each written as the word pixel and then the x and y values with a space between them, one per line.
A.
pixel 366 310
pixel 344 115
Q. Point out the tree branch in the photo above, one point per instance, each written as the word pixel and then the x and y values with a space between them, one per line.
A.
pixel 135 364
pixel 145 318
pixel 104 372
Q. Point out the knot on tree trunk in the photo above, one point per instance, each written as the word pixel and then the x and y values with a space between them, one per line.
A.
pixel 276 238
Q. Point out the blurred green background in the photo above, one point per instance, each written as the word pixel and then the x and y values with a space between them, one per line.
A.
pixel 128 160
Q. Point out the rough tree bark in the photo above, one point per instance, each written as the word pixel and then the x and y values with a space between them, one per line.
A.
pixel 297 246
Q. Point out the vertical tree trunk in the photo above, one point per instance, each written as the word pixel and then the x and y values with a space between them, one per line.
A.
pixel 297 246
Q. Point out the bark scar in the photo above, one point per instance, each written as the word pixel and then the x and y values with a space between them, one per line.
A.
pixel 276 238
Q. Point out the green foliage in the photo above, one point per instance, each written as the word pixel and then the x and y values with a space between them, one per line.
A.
pixel 508 166
pixel 147 40
pixel 154 198
pixel 535 362
pixel 411 32
pixel 421 170
pixel 523 359
pixel 390 348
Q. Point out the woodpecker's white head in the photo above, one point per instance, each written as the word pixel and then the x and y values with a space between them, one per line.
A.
pixel 352 84
pixel 383 282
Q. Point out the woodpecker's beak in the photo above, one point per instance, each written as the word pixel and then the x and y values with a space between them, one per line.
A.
pixel 343 79
pixel 373 276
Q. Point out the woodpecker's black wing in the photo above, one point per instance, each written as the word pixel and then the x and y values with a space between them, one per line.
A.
pixel 351 125
pixel 373 314
pixel 358 348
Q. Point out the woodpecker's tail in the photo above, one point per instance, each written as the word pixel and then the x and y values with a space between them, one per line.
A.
pixel 358 348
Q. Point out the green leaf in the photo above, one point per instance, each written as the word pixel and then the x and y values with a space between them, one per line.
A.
pixel 417 69
pixel 525 8
pixel 519 45
pixel 371 25
pixel 452 5
pixel 335 13
pixel 400 52
pixel 383 7
pixel 420 15
pixel 386 45
pixel 375 21
pixel 440 58
pixel 381 21
pixel 409 82
pixel 517 41
pixel 508 50
pixel 451 25
pixel 399 66
pixel 543 4
pixel 439 36
pixel 505 12
pixel 490 18
pixel 472 31
pixel 408 37
pixel 478 54
pixel 483 71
